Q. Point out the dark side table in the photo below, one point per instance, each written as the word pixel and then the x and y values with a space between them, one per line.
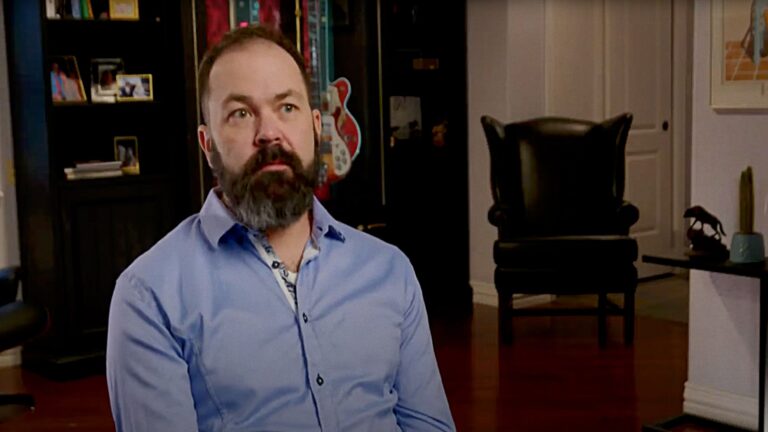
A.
pixel 758 271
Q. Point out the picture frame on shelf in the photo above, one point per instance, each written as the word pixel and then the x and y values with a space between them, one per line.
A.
pixel 104 73
pixel 127 152
pixel 124 9
pixel 739 68
pixel 66 84
pixel 134 87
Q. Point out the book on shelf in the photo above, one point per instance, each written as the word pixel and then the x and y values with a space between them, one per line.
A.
pixel 97 169
pixel 98 166
pixel 50 9
pixel 79 175
pixel 76 9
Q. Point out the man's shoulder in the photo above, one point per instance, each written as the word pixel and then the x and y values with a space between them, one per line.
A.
pixel 364 242
pixel 170 253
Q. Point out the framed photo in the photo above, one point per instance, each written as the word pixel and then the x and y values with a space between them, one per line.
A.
pixel 134 87
pixel 127 152
pixel 104 73
pixel 124 9
pixel 739 54
pixel 66 85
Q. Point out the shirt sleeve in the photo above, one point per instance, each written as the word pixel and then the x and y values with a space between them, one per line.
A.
pixel 149 386
pixel 422 404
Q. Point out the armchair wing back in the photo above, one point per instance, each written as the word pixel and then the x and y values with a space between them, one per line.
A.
pixel 558 176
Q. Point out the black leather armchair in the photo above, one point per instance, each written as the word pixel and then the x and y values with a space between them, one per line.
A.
pixel 563 225
pixel 19 322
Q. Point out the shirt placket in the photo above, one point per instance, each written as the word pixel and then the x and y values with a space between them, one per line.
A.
pixel 321 391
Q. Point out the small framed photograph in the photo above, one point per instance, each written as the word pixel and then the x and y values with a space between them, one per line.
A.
pixel 134 87
pixel 124 9
pixel 104 73
pixel 66 85
pixel 127 152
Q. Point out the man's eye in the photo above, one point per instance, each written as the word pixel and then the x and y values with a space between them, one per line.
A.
pixel 239 113
pixel 289 108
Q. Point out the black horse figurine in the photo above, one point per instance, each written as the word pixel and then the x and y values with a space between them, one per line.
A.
pixel 704 246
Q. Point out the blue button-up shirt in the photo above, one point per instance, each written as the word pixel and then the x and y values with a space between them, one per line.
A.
pixel 201 336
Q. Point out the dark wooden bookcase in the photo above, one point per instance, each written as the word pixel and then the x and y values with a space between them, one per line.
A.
pixel 77 236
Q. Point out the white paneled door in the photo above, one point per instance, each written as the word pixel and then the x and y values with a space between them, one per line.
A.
pixel 610 57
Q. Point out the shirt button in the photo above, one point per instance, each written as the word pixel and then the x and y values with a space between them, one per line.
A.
pixel 275 264
pixel 319 380
pixel 304 317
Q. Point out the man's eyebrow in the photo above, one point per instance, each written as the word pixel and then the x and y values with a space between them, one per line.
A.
pixel 287 94
pixel 235 97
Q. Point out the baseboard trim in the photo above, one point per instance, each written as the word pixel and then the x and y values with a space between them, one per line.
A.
pixel 724 407
pixel 11 357
pixel 485 294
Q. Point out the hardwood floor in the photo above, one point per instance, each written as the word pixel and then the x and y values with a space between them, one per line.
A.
pixel 553 377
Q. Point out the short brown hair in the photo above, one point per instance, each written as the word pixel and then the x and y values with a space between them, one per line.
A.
pixel 240 37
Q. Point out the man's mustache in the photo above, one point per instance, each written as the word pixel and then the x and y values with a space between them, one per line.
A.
pixel 270 155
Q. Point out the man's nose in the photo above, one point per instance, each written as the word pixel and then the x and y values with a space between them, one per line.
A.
pixel 268 131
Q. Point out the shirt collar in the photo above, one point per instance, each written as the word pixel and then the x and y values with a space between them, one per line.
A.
pixel 216 221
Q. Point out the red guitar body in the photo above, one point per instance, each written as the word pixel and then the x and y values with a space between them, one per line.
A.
pixel 346 125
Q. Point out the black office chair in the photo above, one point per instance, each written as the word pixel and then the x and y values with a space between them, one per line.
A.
pixel 19 322
pixel 558 189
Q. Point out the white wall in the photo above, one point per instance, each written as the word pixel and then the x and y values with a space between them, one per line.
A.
pixel 506 80
pixel 723 341
pixel 9 230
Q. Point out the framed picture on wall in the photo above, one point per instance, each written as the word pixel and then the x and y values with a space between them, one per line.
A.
pixel 739 54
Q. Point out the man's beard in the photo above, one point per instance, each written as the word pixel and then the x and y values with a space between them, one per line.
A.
pixel 270 199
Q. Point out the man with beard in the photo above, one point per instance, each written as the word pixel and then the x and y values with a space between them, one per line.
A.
pixel 262 312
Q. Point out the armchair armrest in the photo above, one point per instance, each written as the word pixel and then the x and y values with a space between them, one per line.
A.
pixel 627 215
pixel 499 215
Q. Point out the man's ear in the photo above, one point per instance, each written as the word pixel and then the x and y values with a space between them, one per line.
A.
pixel 205 141
pixel 317 121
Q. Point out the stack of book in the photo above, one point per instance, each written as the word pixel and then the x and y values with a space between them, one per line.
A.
pixel 91 170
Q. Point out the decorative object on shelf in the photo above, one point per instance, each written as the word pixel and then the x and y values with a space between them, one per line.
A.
pixel 739 49
pixel 705 246
pixel 104 73
pixel 136 87
pixel 747 245
pixel 127 153
pixel 124 9
pixel 66 85
pixel 404 119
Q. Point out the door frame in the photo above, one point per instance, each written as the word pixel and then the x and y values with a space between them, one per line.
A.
pixel 682 87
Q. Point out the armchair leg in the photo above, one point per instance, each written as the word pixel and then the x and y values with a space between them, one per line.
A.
pixel 505 317
pixel 602 332
pixel 629 317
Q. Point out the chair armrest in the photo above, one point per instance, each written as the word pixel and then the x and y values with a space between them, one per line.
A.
pixel 499 215
pixel 627 215
pixel 19 322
